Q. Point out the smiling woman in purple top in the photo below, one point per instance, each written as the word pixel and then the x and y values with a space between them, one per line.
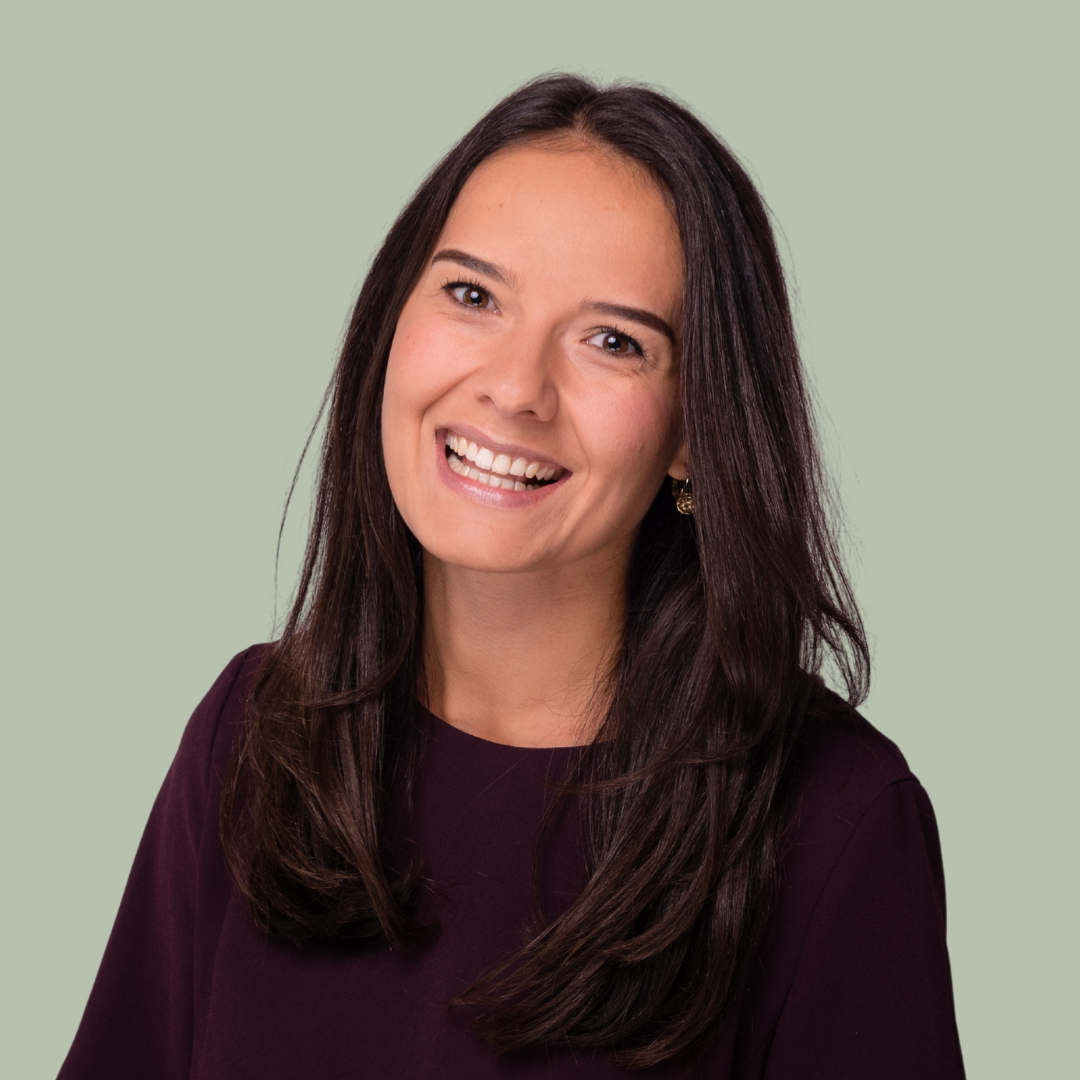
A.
pixel 542 778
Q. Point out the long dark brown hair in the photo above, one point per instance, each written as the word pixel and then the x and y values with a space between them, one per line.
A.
pixel 731 616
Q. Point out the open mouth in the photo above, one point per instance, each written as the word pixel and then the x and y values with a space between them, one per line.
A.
pixel 498 470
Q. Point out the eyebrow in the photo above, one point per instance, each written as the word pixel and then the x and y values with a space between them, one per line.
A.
pixel 471 262
pixel 618 311
pixel 638 315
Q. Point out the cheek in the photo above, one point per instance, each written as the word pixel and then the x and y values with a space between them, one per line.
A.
pixel 404 370
pixel 635 435
pixel 412 384
pixel 403 401
pixel 422 366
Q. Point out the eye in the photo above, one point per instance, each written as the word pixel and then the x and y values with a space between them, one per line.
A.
pixel 471 295
pixel 615 341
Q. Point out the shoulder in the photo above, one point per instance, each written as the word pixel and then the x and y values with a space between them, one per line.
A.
pixel 857 817
pixel 856 811
pixel 847 779
pixel 193 784
pixel 853 976
pixel 841 766
pixel 215 726
pixel 850 789
pixel 860 910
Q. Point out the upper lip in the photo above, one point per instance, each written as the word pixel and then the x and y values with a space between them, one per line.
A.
pixel 497 446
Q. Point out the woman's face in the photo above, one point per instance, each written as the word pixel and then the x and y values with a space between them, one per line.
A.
pixel 530 410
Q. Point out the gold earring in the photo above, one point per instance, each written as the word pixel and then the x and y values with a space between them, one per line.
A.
pixel 684 497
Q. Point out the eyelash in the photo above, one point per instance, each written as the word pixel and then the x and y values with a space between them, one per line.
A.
pixel 467 283
pixel 635 345
pixel 470 283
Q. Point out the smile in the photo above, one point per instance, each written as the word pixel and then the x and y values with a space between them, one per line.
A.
pixel 498 470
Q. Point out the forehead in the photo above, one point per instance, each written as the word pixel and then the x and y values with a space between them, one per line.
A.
pixel 568 209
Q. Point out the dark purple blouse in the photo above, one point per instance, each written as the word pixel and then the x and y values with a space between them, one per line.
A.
pixel 852 982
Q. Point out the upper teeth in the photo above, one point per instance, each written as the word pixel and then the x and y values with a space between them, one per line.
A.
pixel 488 462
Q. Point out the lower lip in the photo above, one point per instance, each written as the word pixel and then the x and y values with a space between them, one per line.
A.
pixel 481 493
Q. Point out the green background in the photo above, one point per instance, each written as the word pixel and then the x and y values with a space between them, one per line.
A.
pixel 190 197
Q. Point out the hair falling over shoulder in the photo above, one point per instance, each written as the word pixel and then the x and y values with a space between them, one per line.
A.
pixel 732 615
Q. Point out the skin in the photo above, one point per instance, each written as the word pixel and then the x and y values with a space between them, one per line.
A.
pixel 506 339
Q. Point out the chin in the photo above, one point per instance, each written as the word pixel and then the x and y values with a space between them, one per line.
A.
pixel 490 559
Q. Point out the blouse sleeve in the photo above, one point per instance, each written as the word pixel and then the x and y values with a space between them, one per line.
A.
pixel 872 995
pixel 138 1021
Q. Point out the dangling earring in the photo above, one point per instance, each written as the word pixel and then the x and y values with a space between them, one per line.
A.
pixel 684 497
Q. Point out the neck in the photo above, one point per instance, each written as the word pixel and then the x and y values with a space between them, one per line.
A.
pixel 523 659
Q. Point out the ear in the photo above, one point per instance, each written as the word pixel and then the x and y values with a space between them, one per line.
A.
pixel 677 470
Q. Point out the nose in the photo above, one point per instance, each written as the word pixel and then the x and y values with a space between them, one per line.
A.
pixel 518 377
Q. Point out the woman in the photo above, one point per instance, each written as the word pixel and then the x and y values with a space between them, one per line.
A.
pixel 541 778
